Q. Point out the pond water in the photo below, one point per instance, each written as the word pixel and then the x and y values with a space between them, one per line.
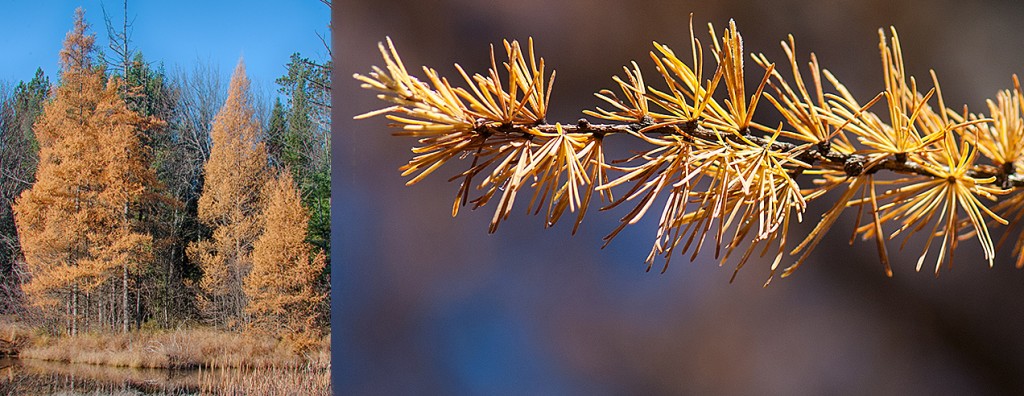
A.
pixel 37 377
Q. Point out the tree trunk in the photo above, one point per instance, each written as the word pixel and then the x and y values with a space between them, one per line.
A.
pixel 124 298
pixel 138 304
pixel 74 310
pixel 124 279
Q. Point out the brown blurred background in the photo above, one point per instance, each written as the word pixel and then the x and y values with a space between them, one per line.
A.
pixel 429 304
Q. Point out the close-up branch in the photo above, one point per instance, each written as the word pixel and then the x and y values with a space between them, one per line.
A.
pixel 916 167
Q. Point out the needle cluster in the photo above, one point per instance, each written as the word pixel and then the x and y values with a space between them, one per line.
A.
pixel 910 166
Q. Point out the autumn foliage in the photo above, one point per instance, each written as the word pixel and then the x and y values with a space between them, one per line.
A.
pixel 151 208
pixel 727 182
pixel 229 205
pixel 78 223
pixel 281 287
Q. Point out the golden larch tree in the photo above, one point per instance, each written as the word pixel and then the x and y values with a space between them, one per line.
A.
pixel 229 204
pixel 77 224
pixel 282 286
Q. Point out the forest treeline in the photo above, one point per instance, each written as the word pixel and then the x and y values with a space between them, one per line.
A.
pixel 132 198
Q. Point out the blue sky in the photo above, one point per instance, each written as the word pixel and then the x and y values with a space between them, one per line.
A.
pixel 178 33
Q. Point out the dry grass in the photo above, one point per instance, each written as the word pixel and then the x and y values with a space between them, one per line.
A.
pixel 215 362
pixel 312 378
pixel 192 348
pixel 13 337
pixel 30 376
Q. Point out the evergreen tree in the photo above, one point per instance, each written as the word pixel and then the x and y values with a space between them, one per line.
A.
pixel 306 144
pixel 150 93
pixel 161 284
pixel 229 204
pixel 298 151
pixel 28 105
pixel 276 128
pixel 307 133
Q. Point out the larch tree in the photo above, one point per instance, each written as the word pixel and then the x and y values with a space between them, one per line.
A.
pixel 229 205
pixel 78 224
pixel 284 295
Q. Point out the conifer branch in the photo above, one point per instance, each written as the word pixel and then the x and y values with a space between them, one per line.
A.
pixel 726 178
pixel 851 164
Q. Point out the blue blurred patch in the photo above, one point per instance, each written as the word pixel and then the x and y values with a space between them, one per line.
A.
pixel 486 349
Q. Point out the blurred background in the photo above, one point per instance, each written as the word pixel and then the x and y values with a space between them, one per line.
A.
pixel 429 304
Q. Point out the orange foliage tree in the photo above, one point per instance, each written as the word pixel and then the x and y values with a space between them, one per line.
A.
pixel 282 286
pixel 78 224
pixel 229 204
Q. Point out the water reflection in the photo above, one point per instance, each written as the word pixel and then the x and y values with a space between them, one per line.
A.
pixel 37 377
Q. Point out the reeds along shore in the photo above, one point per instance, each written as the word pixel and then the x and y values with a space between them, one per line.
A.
pixel 30 376
pixel 176 349
pixel 206 361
